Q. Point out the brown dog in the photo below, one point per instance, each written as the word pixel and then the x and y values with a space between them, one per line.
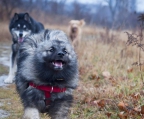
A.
pixel 75 31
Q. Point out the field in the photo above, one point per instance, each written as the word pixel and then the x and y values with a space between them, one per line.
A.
pixel 110 87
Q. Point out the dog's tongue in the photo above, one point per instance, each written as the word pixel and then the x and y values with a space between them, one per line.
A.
pixel 57 63
pixel 20 39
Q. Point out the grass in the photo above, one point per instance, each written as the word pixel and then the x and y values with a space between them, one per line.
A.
pixel 3 70
pixel 98 94
pixel 11 102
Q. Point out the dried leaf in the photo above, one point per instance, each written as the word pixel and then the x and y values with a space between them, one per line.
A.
pixel 106 74
pixel 108 114
pixel 95 102
pixel 142 109
pixel 136 96
pixel 122 115
pixel 129 69
pixel 94 75
pixel 122 106
pixel 102 103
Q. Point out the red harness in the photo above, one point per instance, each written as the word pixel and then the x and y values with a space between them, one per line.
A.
pixel 48 90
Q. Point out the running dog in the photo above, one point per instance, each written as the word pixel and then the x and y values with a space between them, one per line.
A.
pixel 47 74
pixel 75 31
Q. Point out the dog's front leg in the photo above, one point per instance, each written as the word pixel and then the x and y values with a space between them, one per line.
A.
pixel 75 42
pixel 31 113
pixel 12 68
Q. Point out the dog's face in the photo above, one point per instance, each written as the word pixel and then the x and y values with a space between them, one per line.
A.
pixel 56 55
pixel 21 26
pixel 76 24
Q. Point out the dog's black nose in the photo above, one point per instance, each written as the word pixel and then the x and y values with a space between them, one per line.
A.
pixel 20 35
pixel 60 54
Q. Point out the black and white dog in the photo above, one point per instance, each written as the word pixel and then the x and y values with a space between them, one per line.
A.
pixel 21 25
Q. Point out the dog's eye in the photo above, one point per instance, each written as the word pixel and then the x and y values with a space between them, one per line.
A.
pixel 65 51
pixel 51 49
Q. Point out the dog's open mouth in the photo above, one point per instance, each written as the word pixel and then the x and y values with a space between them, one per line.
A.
pixel 74 29
pixel 20 39
pixel 58 64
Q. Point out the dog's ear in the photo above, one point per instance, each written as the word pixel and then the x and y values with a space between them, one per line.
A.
pixel 82 22
pixel 46 34
pixel 27 17
pixel 15 17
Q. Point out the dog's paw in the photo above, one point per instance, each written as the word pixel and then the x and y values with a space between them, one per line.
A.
pixel 31 113
pixel 9 79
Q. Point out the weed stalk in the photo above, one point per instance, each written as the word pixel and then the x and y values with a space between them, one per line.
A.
pixel 136 40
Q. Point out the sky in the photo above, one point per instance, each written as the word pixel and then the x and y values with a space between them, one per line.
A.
pixel 140 3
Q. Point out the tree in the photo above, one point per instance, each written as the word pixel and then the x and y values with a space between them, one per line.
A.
pixel 7 7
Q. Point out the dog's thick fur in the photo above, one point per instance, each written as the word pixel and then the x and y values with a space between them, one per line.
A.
pixel 21 25
pixel 39 61
pixel 75 30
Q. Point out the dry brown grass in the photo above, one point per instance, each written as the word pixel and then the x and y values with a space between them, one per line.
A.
pixel 4 32
pixel 98 94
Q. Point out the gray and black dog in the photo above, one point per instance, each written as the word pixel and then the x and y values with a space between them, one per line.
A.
pixel 21 24
pixel 47 74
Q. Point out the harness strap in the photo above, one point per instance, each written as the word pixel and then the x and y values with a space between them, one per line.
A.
pixel 48 90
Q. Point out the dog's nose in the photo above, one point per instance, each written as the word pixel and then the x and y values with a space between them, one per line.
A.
pixel 60 54
pixel 20 35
